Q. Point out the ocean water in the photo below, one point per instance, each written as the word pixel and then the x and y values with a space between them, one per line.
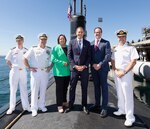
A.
pixel 4 83
pixel 4 86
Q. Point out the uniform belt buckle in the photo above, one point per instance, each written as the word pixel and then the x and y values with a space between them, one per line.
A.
pixel 20 68
pixel 43 69
pixel 117 69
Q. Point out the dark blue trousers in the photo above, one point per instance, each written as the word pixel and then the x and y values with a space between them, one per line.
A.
pixel 84 75
pixel 100 87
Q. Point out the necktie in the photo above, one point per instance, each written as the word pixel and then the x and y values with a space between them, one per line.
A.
pixel 80 44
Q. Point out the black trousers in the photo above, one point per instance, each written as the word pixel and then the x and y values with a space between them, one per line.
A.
pixel 61 89
pixel 84 75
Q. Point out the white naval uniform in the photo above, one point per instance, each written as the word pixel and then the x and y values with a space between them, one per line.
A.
pixel 18 75
pixel 40 59
pixel 122 55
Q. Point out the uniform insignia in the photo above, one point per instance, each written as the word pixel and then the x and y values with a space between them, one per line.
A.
pixel 13 48
pixel 34 46
pixel 121 32
pixel 25 48
pixel 48 52
pixel 15 53
pixel 48 47
pixel 113 49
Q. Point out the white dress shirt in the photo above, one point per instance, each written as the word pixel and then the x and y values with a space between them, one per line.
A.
pixel 39 57
pixel 15 56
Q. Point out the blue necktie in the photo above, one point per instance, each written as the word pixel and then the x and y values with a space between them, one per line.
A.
pixel 80 45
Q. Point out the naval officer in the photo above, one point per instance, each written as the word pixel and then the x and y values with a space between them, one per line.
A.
pixel 39 57
pixel 123 60
pixel 17 75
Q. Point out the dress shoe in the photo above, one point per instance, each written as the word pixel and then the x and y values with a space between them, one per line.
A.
pixel 60 109
pixel 118 113
pixel 34 113
pixel 103 113
pixel 27 109
pixel 128 123
pixel 43 109
pixel 69 109
pixel 9 111
pixel 85 110
pixel 94 108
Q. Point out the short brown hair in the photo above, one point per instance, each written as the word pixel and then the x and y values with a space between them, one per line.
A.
pixel 98 28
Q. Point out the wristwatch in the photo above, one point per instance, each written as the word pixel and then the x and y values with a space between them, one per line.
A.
pixel 125 72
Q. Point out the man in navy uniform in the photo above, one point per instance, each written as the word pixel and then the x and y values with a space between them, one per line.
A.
pixel 123 60
pixel 39 65
pixel 17 75
pixel 101 55
pixel 79 55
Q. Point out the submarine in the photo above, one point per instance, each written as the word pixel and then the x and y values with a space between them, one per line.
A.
pixel 74 120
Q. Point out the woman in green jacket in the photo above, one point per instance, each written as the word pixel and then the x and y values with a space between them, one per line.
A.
pixel 61 71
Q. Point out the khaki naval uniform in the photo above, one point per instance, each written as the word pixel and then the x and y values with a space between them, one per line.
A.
pixel 18 75
pixel 122 55
pixel 40 59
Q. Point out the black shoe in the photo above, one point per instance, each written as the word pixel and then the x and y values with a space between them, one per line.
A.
pixel 85 110
pixel 69 109
pixel 103 113
pixel 94 108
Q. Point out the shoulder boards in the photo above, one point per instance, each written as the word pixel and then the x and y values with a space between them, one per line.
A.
pixel 48 47
pixel 13 48
pixel 25 48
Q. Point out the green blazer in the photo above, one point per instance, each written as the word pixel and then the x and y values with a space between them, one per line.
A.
pixel 58 58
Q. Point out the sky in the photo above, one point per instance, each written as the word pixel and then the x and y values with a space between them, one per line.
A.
pixel 31 17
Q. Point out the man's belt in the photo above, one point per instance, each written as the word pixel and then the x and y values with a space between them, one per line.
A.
pixel 117 69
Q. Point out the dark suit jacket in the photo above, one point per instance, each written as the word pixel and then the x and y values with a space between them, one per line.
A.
pixel 77 58
pixel 102 55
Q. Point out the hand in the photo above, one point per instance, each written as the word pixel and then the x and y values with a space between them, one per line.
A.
pixel 10 66
pixel 97 66
pixel 33 69
pixel 119 73
pixel 48 69
pixel 79 68
pixel 65 64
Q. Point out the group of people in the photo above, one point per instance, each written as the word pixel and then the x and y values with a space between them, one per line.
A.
pixel 69 63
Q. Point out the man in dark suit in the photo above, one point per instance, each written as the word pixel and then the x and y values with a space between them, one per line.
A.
pixel 100 56
pixel 79 54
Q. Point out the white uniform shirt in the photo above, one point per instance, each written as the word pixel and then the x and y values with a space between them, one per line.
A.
pixel 39 57
pixel 15 56
pixel 123 55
